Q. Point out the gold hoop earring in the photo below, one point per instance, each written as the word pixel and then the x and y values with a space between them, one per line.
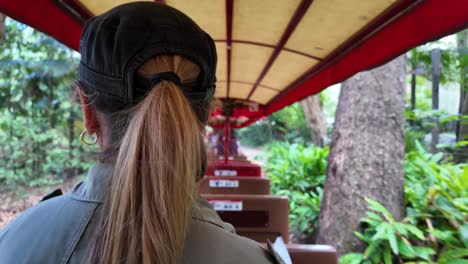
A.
pixel 82 138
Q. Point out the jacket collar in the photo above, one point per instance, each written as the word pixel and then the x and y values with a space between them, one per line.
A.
pixel 94 189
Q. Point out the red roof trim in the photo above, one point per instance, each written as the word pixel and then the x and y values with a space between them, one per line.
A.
pixel 27 12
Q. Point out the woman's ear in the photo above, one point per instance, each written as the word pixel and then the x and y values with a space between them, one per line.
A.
pixel 90 120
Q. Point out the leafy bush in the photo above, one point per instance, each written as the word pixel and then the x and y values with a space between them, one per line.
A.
pixel 385 237
pixel 288 124
pixel 298 172
pixel 434 188
pixel 39 125
pixel 435 228
pixel 411 137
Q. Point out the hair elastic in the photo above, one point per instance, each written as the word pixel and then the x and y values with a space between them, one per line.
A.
pixel 163 76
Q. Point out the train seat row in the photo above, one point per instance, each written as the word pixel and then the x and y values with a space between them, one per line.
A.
pixel 241 196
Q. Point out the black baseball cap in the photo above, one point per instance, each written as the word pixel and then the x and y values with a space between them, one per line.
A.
pixel 115 44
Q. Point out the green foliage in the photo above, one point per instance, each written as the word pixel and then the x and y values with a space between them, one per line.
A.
pixel 258 134
pixel 436 189
pixel 422 121
pixel 421 57
pixel 298 172
pixel 435 228
pixel 412 136
pixel 291 124
pixel 388 239
pixel 423 118
pixel 38 122
pixel 288 124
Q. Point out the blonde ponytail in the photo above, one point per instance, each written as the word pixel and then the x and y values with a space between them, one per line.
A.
pixel 148 212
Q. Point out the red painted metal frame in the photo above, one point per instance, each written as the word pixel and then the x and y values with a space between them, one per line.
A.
pixel 296 18
pixel 269 46
pixel 75 9
pixel 229 11
pixel 242 82
pixel 239 111
pixel 227 140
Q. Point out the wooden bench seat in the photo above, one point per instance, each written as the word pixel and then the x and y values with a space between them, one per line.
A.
pixel 234 168
pixel 234 185
pixel 259 217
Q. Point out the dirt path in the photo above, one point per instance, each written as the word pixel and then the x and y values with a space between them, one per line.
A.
pixel 14 202
pixel 254 153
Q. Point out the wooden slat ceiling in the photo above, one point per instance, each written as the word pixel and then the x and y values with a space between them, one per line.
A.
pixel 264 46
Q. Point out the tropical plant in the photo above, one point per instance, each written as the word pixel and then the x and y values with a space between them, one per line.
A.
pixel 435 228
pixel 388 239
pixel 298 171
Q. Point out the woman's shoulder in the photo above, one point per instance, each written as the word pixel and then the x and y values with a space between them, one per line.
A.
pixel 210 240
pixel 209 243
pixel 50 229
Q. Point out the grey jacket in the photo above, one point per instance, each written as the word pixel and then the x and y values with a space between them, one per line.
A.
pixel 59 230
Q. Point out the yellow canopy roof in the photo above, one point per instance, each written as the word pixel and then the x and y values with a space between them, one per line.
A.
pixel 251 64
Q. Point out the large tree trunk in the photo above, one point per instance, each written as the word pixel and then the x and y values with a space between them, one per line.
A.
pixel 436 69
pixel 315 119
pixel 366 155
pixel 461 154
pixel 413 95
